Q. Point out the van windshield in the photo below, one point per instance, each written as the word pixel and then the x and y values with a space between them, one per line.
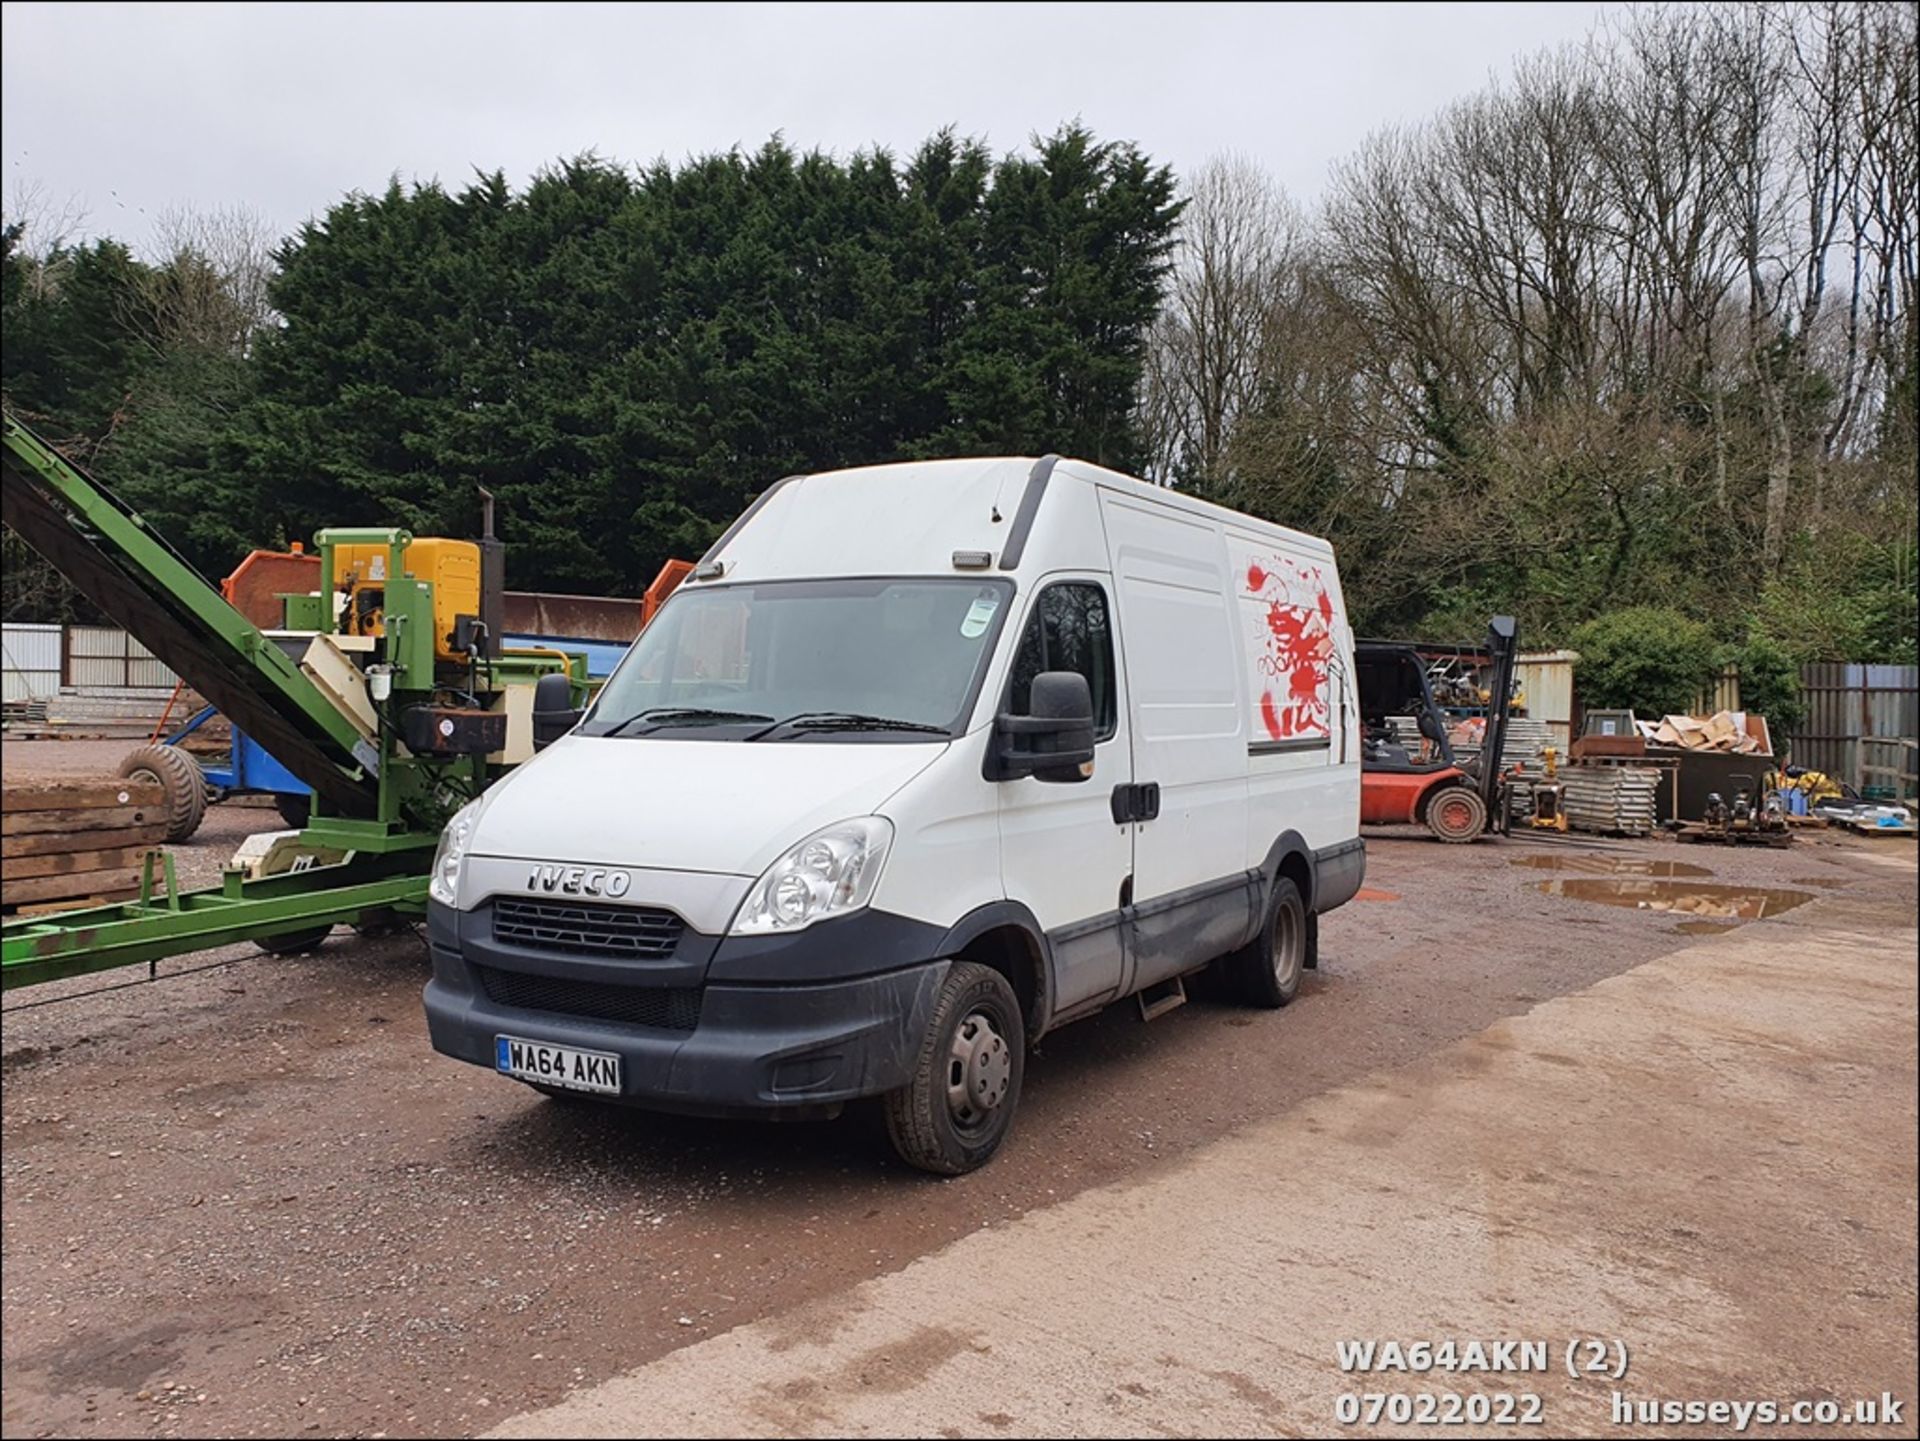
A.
pixel 870 659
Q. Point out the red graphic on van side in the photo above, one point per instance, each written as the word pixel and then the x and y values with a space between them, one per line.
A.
pixel 1294 647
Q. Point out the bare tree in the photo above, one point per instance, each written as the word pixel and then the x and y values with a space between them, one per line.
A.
pixel 1653 298
pixel 211 289
pixel 1236 258
pixel 1662 107
pixel 42 229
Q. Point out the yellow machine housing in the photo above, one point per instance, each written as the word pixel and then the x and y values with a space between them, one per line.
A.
pixel 451 567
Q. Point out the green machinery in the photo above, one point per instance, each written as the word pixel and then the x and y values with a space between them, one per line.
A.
pixel 395 725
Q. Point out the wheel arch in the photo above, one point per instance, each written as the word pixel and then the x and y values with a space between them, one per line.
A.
pixel 1006 937
pixel 1289 856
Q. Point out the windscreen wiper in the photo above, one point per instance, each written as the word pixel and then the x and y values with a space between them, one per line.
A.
pixel 840 720
pixel 661 715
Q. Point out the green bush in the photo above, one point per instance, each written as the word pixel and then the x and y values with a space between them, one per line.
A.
pixel 1646 659
pixel 1769 682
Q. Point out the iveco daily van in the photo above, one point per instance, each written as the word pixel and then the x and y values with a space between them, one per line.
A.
pixel 923 761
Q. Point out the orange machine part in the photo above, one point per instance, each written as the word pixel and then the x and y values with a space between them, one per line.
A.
pixel 664 584
pixel 1396 799
pixel 257 583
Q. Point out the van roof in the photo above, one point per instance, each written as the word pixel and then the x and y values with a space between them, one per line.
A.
pixel 911 517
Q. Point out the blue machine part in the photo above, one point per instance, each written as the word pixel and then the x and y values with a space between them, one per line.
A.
pixel 249 769
pixel 252 769
pixel 602 655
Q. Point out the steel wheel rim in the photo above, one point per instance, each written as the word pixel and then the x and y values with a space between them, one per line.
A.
pixel 979 1070
pixel 1287 935
pixel 1455 814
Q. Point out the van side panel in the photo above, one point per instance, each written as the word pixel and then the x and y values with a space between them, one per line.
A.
pixel 1178 639
pixel 1303 710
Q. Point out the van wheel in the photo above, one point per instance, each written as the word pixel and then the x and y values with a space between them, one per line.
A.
pixel 954 1113
pixel 1456 814
pixel 294 943
pixel 1266 972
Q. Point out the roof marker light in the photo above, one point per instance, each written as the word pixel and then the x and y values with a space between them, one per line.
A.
pixel 972 559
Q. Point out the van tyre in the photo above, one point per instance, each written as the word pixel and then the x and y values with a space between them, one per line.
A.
pixel 1456 814
pixel 294 943
pixel 1266 972
pixel 954 1113
pixel 179 775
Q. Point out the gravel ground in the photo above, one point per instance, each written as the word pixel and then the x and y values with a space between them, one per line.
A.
pixel 250 1200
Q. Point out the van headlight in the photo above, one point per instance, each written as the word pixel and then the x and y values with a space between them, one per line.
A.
pixel 831 873
pixel 444 887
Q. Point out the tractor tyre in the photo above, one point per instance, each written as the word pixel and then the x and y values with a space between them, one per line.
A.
pixel 179 775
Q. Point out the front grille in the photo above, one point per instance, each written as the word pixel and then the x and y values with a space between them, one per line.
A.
pixel 664 1007
pixel 630 933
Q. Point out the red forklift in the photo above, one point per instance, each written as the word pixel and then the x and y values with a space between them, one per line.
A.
pixel 1406 780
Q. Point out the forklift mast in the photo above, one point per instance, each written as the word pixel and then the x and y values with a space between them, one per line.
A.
pixel 1502 642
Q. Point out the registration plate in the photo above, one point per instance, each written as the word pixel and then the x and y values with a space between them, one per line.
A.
pixel 567 1066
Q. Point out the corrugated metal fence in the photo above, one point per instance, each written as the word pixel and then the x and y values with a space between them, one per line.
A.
pixel 1843 703
pixel 30 659
pixel 40 659
pixel 1722 694
pixel 104 655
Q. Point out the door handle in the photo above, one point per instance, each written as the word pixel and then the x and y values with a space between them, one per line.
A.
pixel 1139 801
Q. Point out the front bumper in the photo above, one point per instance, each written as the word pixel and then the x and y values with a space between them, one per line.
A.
pixel 766 1048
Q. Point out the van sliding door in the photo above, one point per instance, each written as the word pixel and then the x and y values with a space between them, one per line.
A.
pixel 1181 649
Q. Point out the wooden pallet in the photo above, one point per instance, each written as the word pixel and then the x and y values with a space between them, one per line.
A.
pixel 76 842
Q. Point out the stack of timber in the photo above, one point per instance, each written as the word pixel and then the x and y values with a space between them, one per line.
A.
pixel 76 842
pixel 1610 800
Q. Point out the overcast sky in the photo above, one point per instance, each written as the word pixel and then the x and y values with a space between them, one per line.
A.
pixel 126 110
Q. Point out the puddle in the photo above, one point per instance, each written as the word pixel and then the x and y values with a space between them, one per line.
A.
pixel 1707 928
pixel 1588 864
pixel 1687 898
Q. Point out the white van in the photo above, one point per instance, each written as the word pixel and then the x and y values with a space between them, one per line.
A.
pixel 923 761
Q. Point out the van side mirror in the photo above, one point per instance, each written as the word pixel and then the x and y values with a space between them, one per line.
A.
pixel 553 709
pixel 1055 743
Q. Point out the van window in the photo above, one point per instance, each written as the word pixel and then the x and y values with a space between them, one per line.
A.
pixel 735 657
pixel 1068 630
